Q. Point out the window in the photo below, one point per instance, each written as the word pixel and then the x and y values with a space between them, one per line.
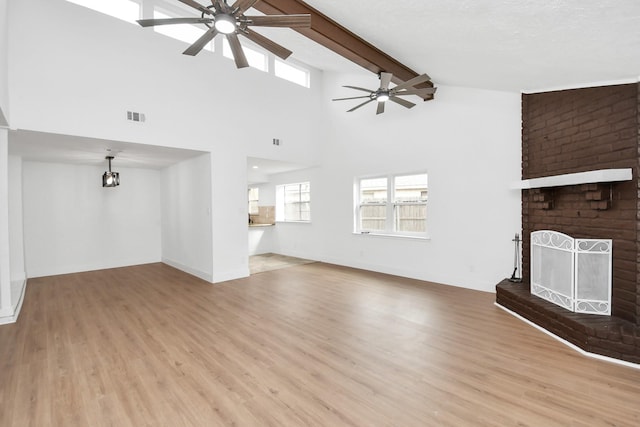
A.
pixel 255 59
pixel 126 10
pixel 183 32
pixel 293 202
pixel 393 204
pixel 254 196
pixel 292 73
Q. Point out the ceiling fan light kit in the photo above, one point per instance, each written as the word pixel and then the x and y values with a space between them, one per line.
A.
pixel 384 94
pixel 230 21
pixel 225 24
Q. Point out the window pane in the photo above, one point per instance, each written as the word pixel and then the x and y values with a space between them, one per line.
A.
pixel 294 201
pixel 305 193
pixel 126 10
pixel 291 73
pixel 411 217
pixel 183 32
pixel 253 201
pixel 411 188
pixel 373 190
pixel 291 193
pixel 373 217
pixel 410 209
pixel 291 212
pixel 255 59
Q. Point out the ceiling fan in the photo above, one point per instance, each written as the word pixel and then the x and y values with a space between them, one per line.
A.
pixel 220 18
pixel 384 94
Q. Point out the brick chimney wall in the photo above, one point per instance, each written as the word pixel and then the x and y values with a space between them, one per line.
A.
pixel 576 131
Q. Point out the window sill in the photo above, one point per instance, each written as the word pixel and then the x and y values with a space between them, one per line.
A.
pixel 392 236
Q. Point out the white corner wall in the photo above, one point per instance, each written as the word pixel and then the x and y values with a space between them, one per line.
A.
pixel 186 216
pixel 4 68
pixel 16 229
pixel 467 140
pixel 72 223
pixel 229 219
pixel 5 271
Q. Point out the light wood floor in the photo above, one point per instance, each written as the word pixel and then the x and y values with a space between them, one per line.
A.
pixel 267 262
pixel 308 345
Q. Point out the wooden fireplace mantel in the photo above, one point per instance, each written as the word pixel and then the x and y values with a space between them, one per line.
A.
pixel 590 177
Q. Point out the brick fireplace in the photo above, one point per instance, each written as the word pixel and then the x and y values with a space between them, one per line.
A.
pixel 571 131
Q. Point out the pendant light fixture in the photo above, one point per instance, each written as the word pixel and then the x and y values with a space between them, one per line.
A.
pixel 110 179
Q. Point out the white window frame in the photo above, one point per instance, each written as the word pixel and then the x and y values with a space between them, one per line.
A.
pixel 280 202
pixel 390 205
pixel 307 80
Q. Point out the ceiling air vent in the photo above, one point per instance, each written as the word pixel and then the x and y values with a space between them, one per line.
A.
pixel 132 116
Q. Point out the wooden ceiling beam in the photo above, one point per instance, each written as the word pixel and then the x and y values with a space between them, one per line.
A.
pixel 340 40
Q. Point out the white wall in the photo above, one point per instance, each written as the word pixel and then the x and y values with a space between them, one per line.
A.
pixel 467 140
pixel 72 223
pixel 267 194
pixel 186 216
pixel 229 216
pixel 4 54
pixel 5 272
pixel 16 230
pixel 83 85
pixel 261 240
pixel 66 84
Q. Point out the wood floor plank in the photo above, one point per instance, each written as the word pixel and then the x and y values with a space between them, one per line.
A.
pixel 314 344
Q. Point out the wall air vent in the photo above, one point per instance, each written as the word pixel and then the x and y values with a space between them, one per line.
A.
pixel 276 141
pixel 133 116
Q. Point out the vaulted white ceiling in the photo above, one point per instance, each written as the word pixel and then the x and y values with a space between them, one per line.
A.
pixel 507 45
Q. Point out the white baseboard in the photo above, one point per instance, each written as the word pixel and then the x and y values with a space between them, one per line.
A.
pixel 484 286
pixel 568 344
pixel 193 271
pixel 81 268
pixel 11 315
pixel 230 275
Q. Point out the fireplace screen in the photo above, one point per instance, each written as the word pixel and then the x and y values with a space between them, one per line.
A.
pixel 572 273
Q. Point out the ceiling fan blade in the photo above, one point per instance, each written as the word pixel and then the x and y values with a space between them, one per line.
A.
pixel 221 6
pixel 353 97
pixel 236 49
pixel 171 21
pixel 360 88
pixel 241 6
pixel 412 82
pixel 402 102
pixel 271 46
pixel 291 21
pixel 380 108
pixel 385 79
pixel 199 44
pixel 360 105
pixel 198 6
pixel 419 92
